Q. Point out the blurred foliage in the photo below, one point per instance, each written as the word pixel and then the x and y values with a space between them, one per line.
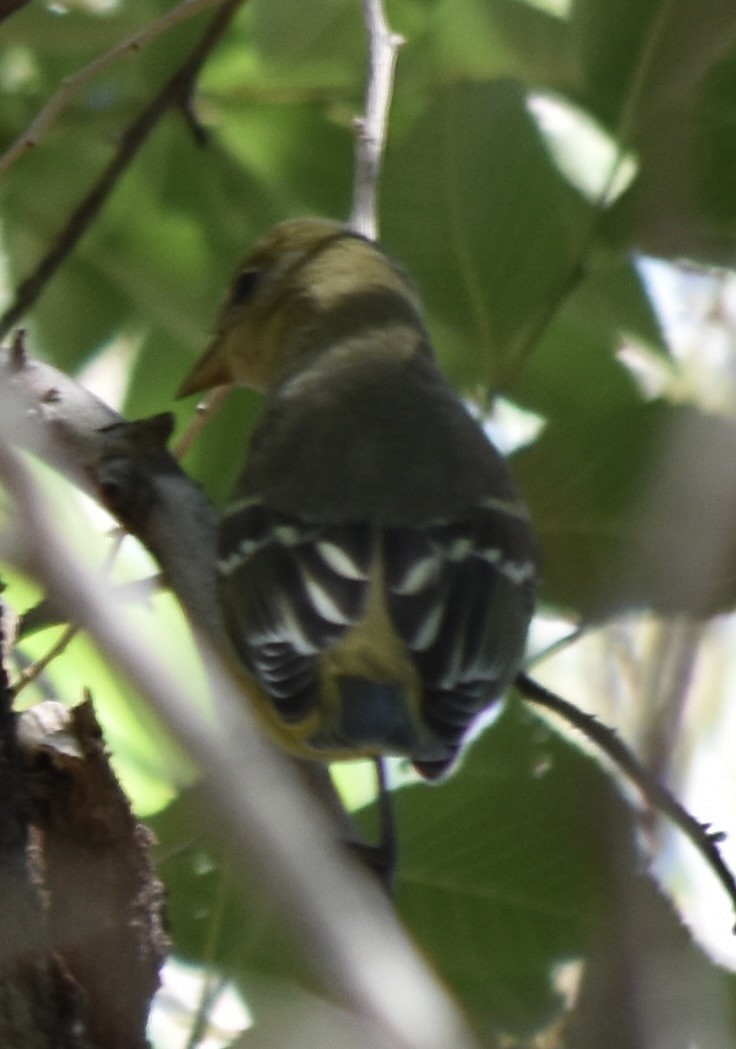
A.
pixel 510 875
pixel 529 273
pixel 524 243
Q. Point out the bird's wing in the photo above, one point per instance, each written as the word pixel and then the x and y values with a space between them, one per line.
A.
pixel 460 595
pixel 289 591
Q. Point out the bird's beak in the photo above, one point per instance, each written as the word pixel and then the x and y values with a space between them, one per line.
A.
pixel 210 370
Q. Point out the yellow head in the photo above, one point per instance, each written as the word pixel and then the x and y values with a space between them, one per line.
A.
pixel 293 279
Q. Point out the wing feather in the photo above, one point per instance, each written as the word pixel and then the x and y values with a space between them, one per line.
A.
pixel 459 595
pixel 465 620
pixel 289 590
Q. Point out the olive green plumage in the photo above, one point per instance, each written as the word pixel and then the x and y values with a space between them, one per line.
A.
pixel 376 569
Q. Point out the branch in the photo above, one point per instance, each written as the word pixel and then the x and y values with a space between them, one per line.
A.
pixel 702 837
pixel 104 905
pixel 9 7
pixel 125 466
pixel 176 91
pixel 72 85
pixel 370 130
pixel 39 1004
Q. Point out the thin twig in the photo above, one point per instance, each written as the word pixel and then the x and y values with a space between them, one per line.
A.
pixel 32 672
pixel 555 647
pixel 212 984
pixel 35 669
pixel 43 615
pixel 668 682
pixel 176 89
pixel 702 837
pixel 205 411
pixel 9 7
pixel 212 989
pixel 370 130
pixel 72 85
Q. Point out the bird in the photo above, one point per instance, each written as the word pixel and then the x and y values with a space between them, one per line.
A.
pixel 376 567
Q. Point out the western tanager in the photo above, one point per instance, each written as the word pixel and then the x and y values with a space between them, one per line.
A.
pixel 376 568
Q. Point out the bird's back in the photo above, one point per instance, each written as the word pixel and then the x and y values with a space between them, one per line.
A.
pixel 373 432
pixel 387 565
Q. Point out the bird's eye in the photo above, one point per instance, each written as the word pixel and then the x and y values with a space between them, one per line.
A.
pixel 243 286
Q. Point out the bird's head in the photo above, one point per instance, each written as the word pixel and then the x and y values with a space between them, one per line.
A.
pixel 282 296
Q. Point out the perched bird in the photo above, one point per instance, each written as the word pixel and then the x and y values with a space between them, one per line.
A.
pixel 376 568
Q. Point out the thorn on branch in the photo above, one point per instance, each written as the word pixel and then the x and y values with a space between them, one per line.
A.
pixel 19 350
pixel 360 128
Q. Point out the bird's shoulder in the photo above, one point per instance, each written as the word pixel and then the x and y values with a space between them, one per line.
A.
pixel 372 429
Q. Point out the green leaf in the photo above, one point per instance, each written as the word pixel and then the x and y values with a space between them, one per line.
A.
pixel 300 153
pixel 642 56
pixel 218 918
pixel 477 211
pixel 521 862
pixel 502 871
pixel 573 369
pixel 333 33
pixel 632 508
pixel 661 74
